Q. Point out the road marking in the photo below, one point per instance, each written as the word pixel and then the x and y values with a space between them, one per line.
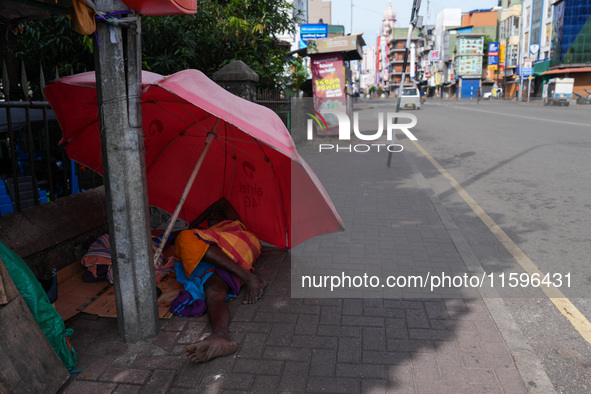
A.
pixel 521 116
pixel 574 316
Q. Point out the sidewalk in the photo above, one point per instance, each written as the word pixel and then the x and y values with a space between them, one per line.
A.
pixel 371 345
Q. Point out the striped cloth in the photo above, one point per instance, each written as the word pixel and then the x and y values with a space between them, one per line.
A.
pixel 231 236
pixel 99 253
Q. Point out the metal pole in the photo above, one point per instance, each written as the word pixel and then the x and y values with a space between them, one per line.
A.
pixel 118 87
pixel 528 87
pixel 413 21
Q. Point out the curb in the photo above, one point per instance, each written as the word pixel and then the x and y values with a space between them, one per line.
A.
pixel 527 362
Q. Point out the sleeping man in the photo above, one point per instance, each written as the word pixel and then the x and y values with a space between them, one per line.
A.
pixel 212 264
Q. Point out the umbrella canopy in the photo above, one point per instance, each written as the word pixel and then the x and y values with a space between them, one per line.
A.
pixel 252 160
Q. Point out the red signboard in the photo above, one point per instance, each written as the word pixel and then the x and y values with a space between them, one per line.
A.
pixel 328 80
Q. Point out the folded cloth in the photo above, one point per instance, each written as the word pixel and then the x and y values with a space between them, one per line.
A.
pixel 98 257
pixel 231 236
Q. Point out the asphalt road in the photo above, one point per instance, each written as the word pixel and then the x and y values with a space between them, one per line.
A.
pixel 528 167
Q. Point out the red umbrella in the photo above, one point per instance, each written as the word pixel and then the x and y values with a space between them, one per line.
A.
pixel 251 159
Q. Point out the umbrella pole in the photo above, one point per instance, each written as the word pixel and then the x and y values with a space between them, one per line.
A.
pixel 177 211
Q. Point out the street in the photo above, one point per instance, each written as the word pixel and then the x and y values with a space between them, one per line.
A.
pixel 527 167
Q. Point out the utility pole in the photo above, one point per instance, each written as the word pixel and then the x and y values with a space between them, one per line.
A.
pixel 118 82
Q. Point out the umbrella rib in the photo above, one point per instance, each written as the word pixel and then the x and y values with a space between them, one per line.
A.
pixel 194 124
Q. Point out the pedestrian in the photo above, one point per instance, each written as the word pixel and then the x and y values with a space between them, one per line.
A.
pixel 478 96
pixel 213 264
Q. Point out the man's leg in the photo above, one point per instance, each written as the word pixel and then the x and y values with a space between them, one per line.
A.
pixel 219 342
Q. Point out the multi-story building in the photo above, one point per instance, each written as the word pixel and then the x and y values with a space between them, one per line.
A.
pixel 398 38
pixel 319 11
pixel 424 53
pixel 509 40
pixel 571 43
pixel 383 51
pixel 441 73
pixel 300 9
pixel 367 71
pixel 536 41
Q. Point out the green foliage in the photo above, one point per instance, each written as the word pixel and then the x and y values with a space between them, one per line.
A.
pixel 54 44
pixel 219 33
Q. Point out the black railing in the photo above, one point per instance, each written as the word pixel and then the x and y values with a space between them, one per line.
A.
pixel 34 168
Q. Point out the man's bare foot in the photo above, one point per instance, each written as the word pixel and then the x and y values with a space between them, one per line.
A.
pixel 254 289
pixel 215 345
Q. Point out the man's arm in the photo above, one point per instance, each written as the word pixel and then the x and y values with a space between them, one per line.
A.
pixel 222 206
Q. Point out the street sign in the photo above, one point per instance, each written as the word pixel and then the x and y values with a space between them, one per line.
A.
pixel 312 31
pixel 493 49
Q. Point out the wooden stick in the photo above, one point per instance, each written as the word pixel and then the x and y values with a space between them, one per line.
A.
pixel 180 204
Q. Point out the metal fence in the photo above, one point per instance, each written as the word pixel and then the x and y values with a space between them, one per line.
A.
pixel 34 168
pixel 277 102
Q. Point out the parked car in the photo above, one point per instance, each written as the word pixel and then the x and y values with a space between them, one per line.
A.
pixel 410 98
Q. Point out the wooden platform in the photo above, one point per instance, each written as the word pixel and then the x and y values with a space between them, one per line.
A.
pixel 75 295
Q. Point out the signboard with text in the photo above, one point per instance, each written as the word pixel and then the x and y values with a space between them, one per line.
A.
pixel 312 31
pixel 328 82
pixel 468 60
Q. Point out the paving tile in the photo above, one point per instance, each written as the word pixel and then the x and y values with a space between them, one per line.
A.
pixel 126 375
pixel 385 357
pixel 323 362
pixel 166 339
pixel 131 389
pixel 411 345
pixel 374 386
pixel 338 331
pixel 510 380
pixel 192 332
pixel 314 342
pixel 159 382
pixel 349 350
pixel 219 382
pixel 488 361
pixel 292 384
pixel 281 334
pixel 82 386
pixel 265 384
pixel 296 368
pixel 333 385
pixel 287 353
pixel 252 346
pixel 306 325
pixel 374 338
pixel 252 366
pixel 431 335
pixel 358 370
pixel 189 375
pixel 157 362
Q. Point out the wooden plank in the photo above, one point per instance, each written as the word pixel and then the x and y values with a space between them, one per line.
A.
pixel 28 363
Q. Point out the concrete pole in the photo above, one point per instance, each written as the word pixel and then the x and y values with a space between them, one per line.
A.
pixel 118 84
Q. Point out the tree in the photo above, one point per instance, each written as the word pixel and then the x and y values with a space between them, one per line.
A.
pixel 220 31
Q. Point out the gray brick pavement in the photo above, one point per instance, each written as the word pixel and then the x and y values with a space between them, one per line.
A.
pixel 337 345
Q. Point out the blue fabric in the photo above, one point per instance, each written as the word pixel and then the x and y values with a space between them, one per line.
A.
pixel 191 301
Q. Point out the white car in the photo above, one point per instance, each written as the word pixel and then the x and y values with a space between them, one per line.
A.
pixel 410 98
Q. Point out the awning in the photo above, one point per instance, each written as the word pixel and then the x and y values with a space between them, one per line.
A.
pixel 568 70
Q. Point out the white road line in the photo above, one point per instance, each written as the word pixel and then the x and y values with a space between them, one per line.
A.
pixel 563 304
pixel 518 116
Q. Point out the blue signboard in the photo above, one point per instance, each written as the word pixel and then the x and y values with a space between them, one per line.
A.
pixel 312 31
pixel 493 49
pixel 492 60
